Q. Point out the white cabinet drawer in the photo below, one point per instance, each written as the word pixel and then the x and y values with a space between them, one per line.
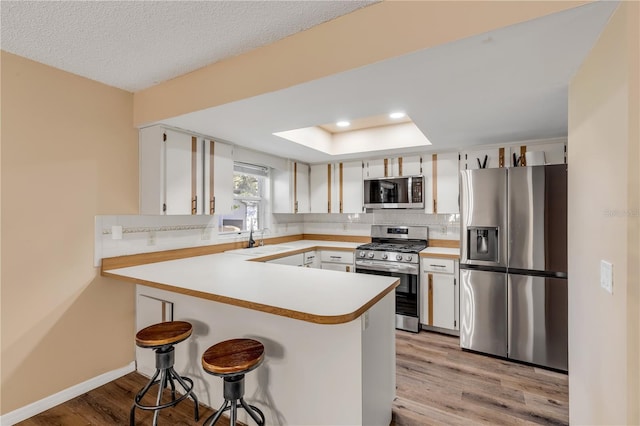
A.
pixel 335 256
pixel 443 266
pixel 337 267
pixel 310 257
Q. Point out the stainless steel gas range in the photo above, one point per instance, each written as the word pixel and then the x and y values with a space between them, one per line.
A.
pixel 394 252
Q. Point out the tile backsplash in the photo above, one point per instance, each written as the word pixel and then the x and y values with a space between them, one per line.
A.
pixel 142 234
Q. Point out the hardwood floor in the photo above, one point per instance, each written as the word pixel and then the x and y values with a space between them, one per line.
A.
pixel 437 384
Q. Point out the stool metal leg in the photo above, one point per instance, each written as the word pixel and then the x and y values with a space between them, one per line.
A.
pixel 161 386
pixel 252 410
pixel 164 369
pixel 189 390
pixel 233 413
pixel 216 416
pixel 233 392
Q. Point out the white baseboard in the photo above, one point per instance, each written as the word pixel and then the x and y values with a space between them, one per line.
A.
pixel 51 401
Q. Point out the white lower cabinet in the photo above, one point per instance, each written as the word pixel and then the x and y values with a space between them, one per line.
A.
pixel 311 259
pixel 336 260
pixel 440 295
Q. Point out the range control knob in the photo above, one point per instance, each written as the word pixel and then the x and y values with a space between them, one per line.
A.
pixel 409 258
pixel 371 255
pixel 384 256
pixel 399 257
pixel 361 254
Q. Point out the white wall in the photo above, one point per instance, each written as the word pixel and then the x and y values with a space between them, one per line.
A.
pixel 603 225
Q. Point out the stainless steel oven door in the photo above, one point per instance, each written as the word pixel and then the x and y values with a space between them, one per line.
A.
pixel 407 293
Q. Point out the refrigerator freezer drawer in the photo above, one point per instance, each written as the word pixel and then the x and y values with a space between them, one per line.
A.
pixel 538 326
pixel 483 311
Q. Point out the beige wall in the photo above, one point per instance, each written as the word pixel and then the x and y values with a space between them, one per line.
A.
pixel 69 152
pixel 603 224
pixel 381 31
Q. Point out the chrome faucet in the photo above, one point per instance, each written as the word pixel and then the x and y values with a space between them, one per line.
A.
pixel 261 243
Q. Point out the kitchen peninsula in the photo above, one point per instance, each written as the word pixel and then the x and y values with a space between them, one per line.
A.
pixel 329 336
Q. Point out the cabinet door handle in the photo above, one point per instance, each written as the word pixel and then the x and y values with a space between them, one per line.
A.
pixel 348 268
pixel 437 266
pixel 295 210
pixel 194 205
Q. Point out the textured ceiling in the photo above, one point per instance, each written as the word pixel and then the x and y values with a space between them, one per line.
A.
pixel 136 44
pixel 504 86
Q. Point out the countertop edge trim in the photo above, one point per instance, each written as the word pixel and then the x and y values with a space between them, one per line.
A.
pixel 298 251
pixel 302 316
pixel 440 256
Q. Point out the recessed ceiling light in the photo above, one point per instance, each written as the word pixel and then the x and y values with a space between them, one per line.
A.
pixel 343 123
pixel 396 115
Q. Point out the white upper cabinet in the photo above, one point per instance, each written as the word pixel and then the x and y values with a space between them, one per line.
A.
pixel 475 158
pixel 301 185
pixel 171 175
pixel 291 189
pixel 376 168
pixel 441 196
pixel 321 185
pixel 542 153
pixel 350 187
pixel 514 155
pixel 336 188
pixel 182 174
pixel 218 181
pixel 410 165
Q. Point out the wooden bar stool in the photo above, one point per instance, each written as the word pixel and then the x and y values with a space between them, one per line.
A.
pixel 161 338
pixel 231 360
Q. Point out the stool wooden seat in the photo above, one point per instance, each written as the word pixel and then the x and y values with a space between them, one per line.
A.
pixel 164 333
pixel 161 338
pixel 236 356
pixel 231 360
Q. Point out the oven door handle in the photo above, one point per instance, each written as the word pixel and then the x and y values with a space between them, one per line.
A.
pixel 384 267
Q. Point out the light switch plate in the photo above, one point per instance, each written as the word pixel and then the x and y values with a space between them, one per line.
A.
pixel 606 276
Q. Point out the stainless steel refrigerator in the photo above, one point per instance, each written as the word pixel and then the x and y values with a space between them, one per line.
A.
pixel 513 268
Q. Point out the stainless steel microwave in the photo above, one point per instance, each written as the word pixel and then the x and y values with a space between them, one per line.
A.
pixel 402 192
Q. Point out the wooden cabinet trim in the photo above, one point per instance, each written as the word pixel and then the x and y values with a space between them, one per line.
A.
pixel 328 188
pixel 340 187
pixel 194 180
pixel 212 198
pixel 434 181
pixel 430 298
pixel 295 187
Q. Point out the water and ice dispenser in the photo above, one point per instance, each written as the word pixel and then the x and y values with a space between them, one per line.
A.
pixel 483 243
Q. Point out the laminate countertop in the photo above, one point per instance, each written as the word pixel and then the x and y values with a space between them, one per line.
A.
pixel 307 294
pixel 441 252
